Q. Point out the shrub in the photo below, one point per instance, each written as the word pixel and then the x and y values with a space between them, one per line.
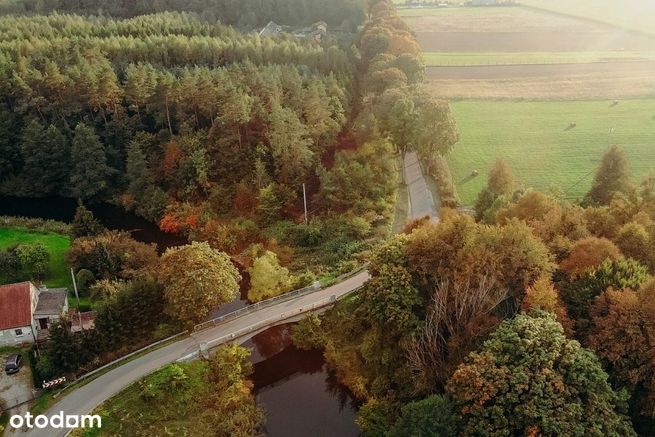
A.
pixel 307 334
pixel 35 224
pixel 84 279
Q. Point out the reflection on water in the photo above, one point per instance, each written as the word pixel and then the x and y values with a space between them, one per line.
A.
pixel 299 393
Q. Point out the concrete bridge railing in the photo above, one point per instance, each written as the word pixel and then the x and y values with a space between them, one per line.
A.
pixel 264 324
pixel 272 301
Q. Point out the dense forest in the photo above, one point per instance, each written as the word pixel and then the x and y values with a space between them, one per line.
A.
pixel 213 133
pixel 346 14
pixel 207 130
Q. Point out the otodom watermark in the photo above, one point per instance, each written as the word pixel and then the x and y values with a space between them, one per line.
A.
pixel 56 421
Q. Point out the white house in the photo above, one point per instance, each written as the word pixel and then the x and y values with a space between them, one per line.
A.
pixel 26 312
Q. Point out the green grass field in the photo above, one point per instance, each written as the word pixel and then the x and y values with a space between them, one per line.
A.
pixel 433 59
pixel 544 154
pixel 57 246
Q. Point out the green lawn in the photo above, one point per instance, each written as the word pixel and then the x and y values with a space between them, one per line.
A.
pixel 544 154
pixel 433 59
pixel 56 245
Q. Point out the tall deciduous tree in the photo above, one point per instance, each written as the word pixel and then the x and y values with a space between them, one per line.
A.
pixel 529 379
pixel 587 254
pixel 622 335
pixel 500 182
pixel 196 280
pixel 611 178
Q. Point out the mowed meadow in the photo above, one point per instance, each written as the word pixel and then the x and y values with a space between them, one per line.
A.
pixel 543 150
pixel 518 77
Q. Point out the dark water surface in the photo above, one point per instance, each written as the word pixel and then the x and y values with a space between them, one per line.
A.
pixel 113 217
pixel 301 396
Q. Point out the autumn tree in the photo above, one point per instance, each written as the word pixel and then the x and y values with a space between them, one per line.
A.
pixel 361 180
pixel 458 250
pixel 529 379
pixel 580 293
pixel 113 255
pixel 622 332
pixel 500 182
pixel 635 242
pixel 196 280
pixel 543 296
pixel 268 278
pixel 587 254
pixel 611 178
pixel 234 409
pixel 557 223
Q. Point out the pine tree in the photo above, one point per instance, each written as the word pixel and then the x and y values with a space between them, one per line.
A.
pixel 90 172
pixel 84 223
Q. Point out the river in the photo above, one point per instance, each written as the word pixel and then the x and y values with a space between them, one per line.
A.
pixel 300 395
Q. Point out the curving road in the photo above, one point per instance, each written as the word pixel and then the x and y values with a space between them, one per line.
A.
pixel 421 200
pixel 86 398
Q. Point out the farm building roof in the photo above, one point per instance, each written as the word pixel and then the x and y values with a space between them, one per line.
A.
pixel 51 302
pixel 15 305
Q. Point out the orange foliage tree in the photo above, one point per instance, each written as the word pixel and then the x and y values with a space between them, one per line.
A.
pixel 622 334
pixel 587 254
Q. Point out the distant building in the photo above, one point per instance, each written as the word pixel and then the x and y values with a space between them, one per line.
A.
pixel 316 31
pixel 271 29
pixel 485 2
pixel 26 312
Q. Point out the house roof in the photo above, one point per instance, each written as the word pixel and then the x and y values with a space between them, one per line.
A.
pixel 271 29
pixel 88 320
pixel 15 305
pixel 51 302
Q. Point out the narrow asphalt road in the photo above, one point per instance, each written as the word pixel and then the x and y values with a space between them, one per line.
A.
pixel 86 398
pixel 421 202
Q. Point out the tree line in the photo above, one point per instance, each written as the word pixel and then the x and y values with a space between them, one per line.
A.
pixel 242 13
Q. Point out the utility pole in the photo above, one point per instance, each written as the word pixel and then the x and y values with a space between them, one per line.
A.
pixel 77 296
pixel 304 196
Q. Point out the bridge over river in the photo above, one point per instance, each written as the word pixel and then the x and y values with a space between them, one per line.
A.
pixel 86 398
pixel 235 327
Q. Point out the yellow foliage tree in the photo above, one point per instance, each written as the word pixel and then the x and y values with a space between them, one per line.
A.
pixel 268 278
pixel 196 280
